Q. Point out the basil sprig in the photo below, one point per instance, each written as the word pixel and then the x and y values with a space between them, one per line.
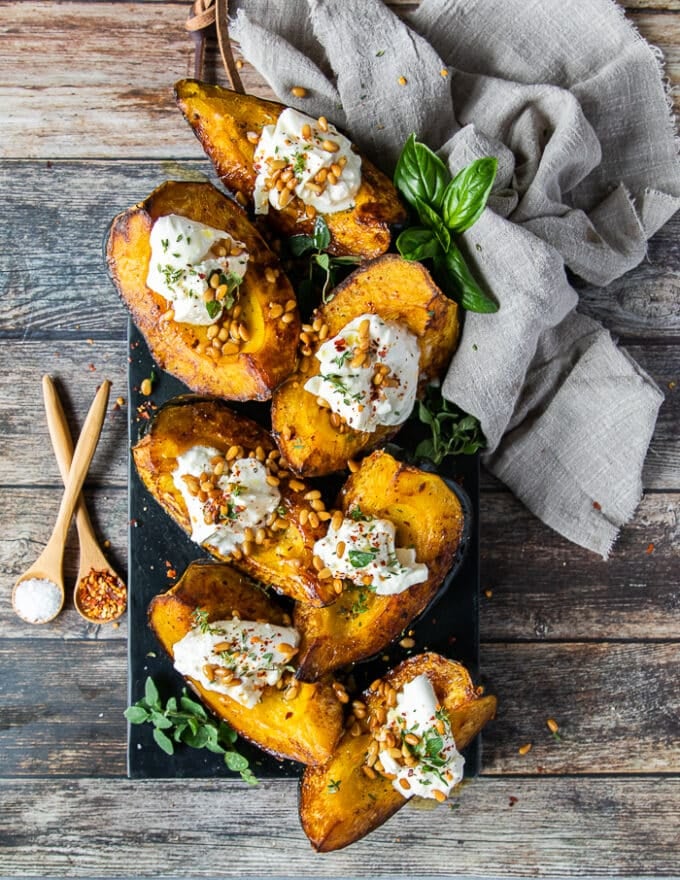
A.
pixel 445 207
pixel 452 431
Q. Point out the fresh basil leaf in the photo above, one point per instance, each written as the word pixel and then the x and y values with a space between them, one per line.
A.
pixel 420 174
pixel 213 308
pixel 321 235
pixel 418 243
pixel 163 742
pixel 136 714
pixel 425 449
pixel 361 558
pixel 431 219
pixel 466 196
pixel 471 296
pixel 151 694
pixel 300 244
pixel 235 762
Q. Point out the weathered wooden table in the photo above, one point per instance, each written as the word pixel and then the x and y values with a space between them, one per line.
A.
pixel 88 127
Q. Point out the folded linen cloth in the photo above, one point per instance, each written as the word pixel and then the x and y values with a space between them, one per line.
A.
pixel 571 100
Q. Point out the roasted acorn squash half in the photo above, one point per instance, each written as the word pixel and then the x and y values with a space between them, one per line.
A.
pixel 339 802
pixel 285 559
pixel 429 517
pixel 398 291
pixel 187 350
pixel 222 121
pixel 302 722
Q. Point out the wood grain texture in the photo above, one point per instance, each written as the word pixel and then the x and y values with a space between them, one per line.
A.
pixel 500 828
pixel 616 704
pixel 53 113
pixel 78 366
pixel 63 287
pixel 542 587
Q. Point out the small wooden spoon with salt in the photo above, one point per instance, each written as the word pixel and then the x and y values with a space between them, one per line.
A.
pixel 45 577
pixel 100 594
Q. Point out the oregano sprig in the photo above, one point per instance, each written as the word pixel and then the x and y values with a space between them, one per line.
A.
pixel 452 431
pixel 187 722
pixel 445 207
pixel 325 264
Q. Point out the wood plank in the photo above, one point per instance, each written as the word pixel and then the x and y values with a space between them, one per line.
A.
pixel 76 110
pixel 542 587
pixel 67 206
pixel 615 703
pixel 71 362
pixel 609 700
pixel 500 828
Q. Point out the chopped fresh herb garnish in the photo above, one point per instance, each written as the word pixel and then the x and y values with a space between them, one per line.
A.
pixel 357 514
pixel 171 274
pixel 361 558
pixel 165 244
pixel 190 724
pixel 299 165
pixel 199 618
pixel 360 604
pixel 334 786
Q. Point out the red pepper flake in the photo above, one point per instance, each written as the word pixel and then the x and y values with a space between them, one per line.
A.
pixel 512 800
pixel 171 573
pixel 597 505
pixel 650 548
pixel 92 368
pixel 101 596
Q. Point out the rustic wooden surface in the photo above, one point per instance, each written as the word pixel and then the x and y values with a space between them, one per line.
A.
pixel 87 127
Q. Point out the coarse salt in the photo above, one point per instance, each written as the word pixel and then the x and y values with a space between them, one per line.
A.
pixel 37 600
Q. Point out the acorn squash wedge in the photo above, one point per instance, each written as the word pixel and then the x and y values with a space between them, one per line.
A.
pixel 429 516
pixel 302 722
pixel 222 120
pixel 399 292
pixel 245 369
pixel 339 803
pixel 285 558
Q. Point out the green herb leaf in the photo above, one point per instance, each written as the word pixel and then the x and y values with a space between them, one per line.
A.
pixel 213 308
pixel 334 786
pixel 321 235
pixel 136 714
pixel 159 720
pixel 191 706
pixel 432 220
pixel 469 294
pixel 361 558
pixel 466 196
pixel 418 243
pixel 301 244
pixel 235 762
pixel 151 694
pixel 323 260
pixel 453 432
pixel 163 742
pixel 420 174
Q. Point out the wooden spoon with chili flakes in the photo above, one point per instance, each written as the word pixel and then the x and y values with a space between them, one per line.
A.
pixel 100 594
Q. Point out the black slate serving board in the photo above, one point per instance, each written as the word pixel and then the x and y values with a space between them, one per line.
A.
pixel 159 552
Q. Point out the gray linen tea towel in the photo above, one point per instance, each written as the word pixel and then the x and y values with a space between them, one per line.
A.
pixel 570 99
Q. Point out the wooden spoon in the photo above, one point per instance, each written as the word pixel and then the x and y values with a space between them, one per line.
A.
pixel 93 566
pixel 48 567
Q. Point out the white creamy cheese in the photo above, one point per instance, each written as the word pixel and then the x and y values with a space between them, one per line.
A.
pixel 285 144
pixel 181 265
pixel 350 391
pixel 246 492
pixel 368 550
pixel 441 765
pixel 256 654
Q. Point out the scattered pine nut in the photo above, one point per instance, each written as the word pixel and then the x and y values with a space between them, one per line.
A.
pixel 525 749
pixel 299 91
pixel 553 726
pixel 402 80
